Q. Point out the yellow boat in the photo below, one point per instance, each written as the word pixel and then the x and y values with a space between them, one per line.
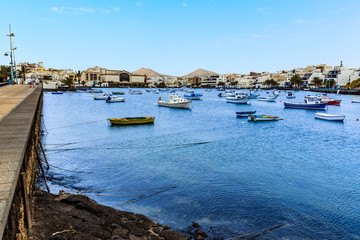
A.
pixel 131 120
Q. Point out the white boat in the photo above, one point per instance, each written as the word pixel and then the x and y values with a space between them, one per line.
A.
pixel 115 99
pixel 135 92
pixel 102 97
pixel 229 93
pixel 175 101
pixel 355 100
pixel 238 98
pixel 290 94
pixel 329 117
pixel 268 98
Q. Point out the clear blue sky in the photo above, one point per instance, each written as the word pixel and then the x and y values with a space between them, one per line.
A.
pixel 177 37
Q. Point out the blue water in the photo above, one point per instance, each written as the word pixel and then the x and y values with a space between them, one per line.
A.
pixel 231 176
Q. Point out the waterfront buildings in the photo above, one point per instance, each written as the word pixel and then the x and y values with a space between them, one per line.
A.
pixel 336 77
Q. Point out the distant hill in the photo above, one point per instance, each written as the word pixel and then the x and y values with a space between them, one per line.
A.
pixel 147 71
pixel 200 72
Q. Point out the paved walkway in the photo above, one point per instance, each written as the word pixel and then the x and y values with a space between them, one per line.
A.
pixel 15 129
pixel 12 95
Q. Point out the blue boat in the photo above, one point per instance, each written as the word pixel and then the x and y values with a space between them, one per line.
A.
pixel 310 103
pixel 193 96
pixel 57 93
pixel 245 113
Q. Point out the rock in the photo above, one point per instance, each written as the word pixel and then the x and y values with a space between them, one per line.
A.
pixel 195 225
pixel 171 235
pixel 200 234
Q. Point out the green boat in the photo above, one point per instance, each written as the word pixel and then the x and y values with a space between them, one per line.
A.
pixel 118 93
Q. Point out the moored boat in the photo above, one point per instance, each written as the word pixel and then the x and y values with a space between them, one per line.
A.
pixel 193 96
pixel 57 93
pixel 135 92
pixel 258 118
pixel 290 94
pixel 355 100
pixel 245 113
pixel 329 117
pixel 324 98
pixel 131 120
pixel 175 101
pixel 268 98
pixel 115 99
pixel 238 98
pixel 118 93
pixel 310 103
pixel 102 97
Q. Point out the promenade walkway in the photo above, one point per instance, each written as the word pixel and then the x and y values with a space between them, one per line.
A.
pixel 18 106
pixel 10 96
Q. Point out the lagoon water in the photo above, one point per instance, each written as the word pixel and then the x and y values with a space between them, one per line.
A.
pixel 231 176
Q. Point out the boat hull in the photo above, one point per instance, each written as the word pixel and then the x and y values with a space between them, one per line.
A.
pixel 193 98
pixel 174 105
pixel 131 120
pixel 329 117
pixel 244 113
pixel 238 101
pixel 262 118
pixel 267 99
pixel 115 100
pixel 311 106
pixel 332 102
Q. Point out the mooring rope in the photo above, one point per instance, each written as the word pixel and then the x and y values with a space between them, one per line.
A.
pixel 67 170
pixel 76 124
pixel 114 148
pixel 129 190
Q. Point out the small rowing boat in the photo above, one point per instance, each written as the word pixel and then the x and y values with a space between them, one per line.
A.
pixel 118 93
pixel 115 99
pixel 355 100
pixel 268 98
pixel 131 120
pixel 329 117
pixel 245 113
pixel 258 118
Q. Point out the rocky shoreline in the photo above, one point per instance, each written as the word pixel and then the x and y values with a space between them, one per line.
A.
pixel 73 216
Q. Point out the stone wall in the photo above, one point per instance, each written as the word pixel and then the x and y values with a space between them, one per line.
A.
pixel 19 217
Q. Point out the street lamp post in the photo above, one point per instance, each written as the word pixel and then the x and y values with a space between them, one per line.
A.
pixel 16 78
pixel 11 50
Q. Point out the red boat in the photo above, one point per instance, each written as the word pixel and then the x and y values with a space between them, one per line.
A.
pixel 324 98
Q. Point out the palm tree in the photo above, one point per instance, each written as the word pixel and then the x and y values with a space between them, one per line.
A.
pixel 296 80
pixel 4 72
pixel 23 72
pixel 68 81
pixel 317 81
pixel 267 82
pixel 221 84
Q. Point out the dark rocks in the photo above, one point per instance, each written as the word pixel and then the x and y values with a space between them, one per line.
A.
pixel 194 231
pixel 78 217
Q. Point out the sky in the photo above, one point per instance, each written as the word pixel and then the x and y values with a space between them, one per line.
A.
pixel 176 37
